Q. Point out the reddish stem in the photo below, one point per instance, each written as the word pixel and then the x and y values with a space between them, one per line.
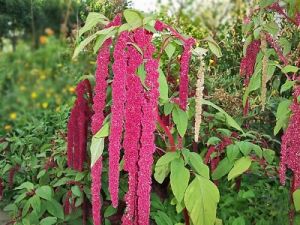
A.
pixel 168 133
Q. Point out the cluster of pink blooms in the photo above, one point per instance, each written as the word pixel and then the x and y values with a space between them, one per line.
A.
pixel 100 88
pixel 78 127
pixel 277 8
pixel 247 66
pixel 290 151
pixel 248 61
pixel 134 112
pixel 184 62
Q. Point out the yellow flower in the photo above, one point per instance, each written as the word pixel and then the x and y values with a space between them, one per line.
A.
pixel 49 31
pixel 43 39
pixel 7 127
pixel 211 61
pixel 45 105
pixel 71 89
pixel 13 116
pixel 33 95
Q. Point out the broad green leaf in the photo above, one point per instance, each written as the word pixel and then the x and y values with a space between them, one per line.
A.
pixel 266 3
pixel 104 131
pixel 230 121
pixel 201 199
pixel 179 178
pixel 168 107
pixel 286 45
pixel 97 147
pixel 26 185
pixel 92 20
pixel 101 39
pixel 296 198
pixel 48 220
pixel 213 46
pixel 133 18
pixel 222 169
pixel 268 155
pixel 195 161
pixel 245 147
pixel 287 85
pixel 170 49
pixel 240 166
pixel 232 152
pixel 109 211
pixel 254 84
pixel 55 209
pixel 213 141
pixel 163 86
pixel 290 69
pixel 162 218
pixel 162 167
pixel 35 203
pixel 44 192
pixel 271 28
pixel 282 115
pixel 76 191
pixel 89 39
pixel 181 120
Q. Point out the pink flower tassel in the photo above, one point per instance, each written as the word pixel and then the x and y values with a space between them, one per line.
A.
pixel 98 117
pixel 117 114
pixel 149 109
pixel 184 71
pixel 132 126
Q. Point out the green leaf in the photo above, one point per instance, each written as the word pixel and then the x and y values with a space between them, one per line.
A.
pixel 35 203
pixel 101 39
pixel 213 46
pixel 230 121
pixel 97 147
pixel 240 166
pixel 201 199
pixel 163 86
pixel 162 218
pixel 104 131
pixel 271 28
pixel 254 84
pixel 287 85
pixel 89 39
pixel 245 147
pixel 232 152
pixel 222 169
pixel 109 211
pixel 181 120
pixel 162 167
pixel 266 3
pixel 195 161
pixel 179 178
pixel 170 49
pixel 76 191
pixel 213 141
pixel 290 69
pixel 133 18
pixel 44 192
pixel 282 115
pixel 239 221
pixel 55 209
pixel 92 20
pixel 26 185
pixel 168 107
pixel 296 198
pixel 268 155
pixel 48 220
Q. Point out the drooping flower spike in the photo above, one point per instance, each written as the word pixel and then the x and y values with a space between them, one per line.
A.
pixel 103 60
